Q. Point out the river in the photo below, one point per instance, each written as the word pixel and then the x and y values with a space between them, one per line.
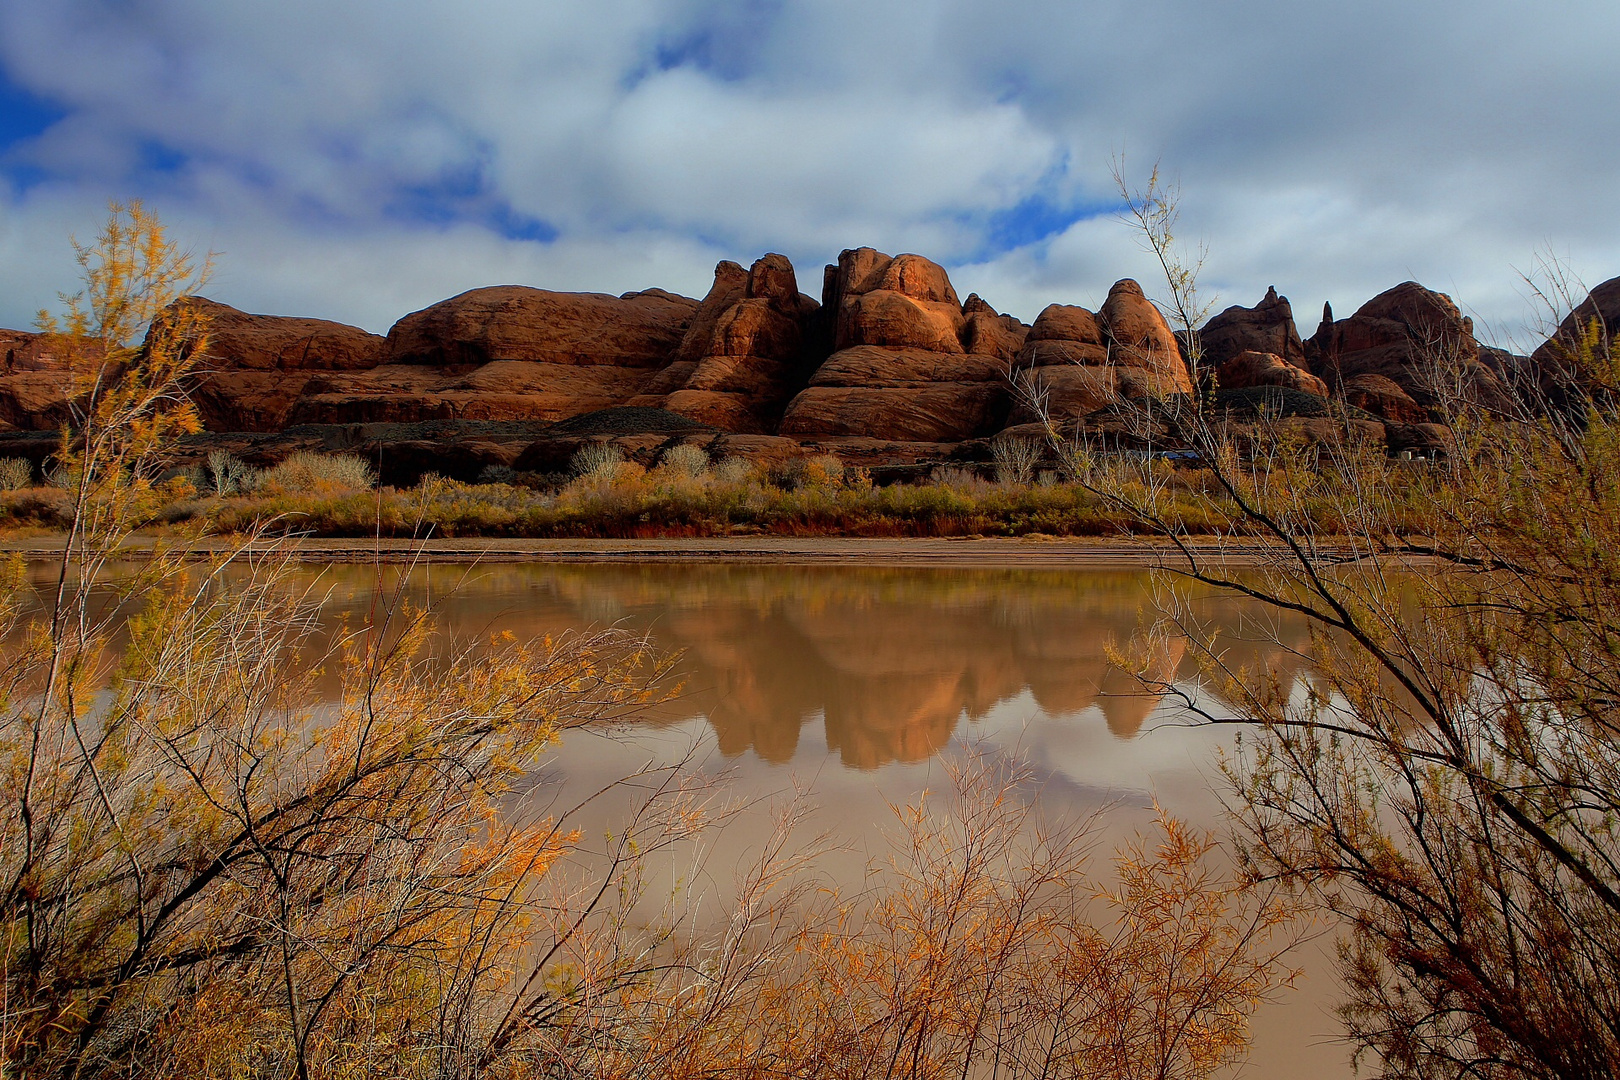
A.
pixel 857 684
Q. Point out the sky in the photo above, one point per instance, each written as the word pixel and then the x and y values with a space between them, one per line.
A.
pixel 360 160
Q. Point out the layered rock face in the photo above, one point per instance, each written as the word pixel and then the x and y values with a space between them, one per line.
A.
pixel 901 368
pixel 748 350
pixel 257 367
pixel 890 370
pixel 1075 362
pixel 34 383
pixel 1414 340
pixel 1268 327
pixel 1258 346
pixel 508 353
pixel 1250 368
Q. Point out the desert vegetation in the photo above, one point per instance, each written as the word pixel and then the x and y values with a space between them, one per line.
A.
pixel 1448 784
pixel 1026 490
pixel 206 870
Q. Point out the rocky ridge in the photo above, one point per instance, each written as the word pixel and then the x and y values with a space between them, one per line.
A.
pixel 889 369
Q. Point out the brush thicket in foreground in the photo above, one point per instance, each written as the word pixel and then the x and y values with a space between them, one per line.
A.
pixel 210 868
pixel 687 496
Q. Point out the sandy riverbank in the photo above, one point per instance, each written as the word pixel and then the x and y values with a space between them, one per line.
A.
pixel 925 551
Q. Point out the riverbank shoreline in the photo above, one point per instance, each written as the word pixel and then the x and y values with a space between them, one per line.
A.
pixel 1000 552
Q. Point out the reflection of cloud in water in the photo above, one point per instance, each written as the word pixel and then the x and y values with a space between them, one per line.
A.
pixel 881 667
pixel 892 660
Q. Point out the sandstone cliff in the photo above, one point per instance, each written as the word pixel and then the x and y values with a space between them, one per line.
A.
pixel 890 368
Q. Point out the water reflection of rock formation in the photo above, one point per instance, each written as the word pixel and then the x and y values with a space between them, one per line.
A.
pixel 893 661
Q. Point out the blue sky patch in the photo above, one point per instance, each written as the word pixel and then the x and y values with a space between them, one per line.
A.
pixel 512 225
pixel 162 160
pixel 1034 219
pixel 463 197
pixel 23 114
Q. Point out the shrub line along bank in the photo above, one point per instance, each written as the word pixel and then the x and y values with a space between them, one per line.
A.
pixel 683 496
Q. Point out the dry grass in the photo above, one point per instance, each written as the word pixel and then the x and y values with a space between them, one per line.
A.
pixel 616 498
pixel 15 473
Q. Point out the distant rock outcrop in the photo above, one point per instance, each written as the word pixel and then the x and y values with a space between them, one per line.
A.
pixel 1074 362
pixel 257 367
pixel 1251 368
pixel 34 383
pixel 508 353
pixel 514 322
pixel 1556 365
pixel 746 352
pixel 890 371
pixel 900 369
pixel 1268 327
pixel 1414 338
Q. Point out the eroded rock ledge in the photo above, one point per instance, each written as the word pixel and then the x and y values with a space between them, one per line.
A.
pixel 890 369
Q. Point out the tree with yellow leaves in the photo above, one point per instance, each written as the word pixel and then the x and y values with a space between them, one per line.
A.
pixel 208 868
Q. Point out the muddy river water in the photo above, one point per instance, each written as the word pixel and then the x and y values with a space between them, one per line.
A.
pixel 858 683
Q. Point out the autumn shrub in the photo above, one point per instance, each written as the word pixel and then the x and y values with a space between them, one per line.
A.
pixel 1449 783
pixel 15 473
pixel 306 472
pixel 817 470
pixel 596 460
pixel 735 470
pixel 685 460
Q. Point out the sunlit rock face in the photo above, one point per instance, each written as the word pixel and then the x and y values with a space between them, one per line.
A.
pixel 257 367
pixel 890 370
pixel 1075 362
pixel 751 346
pixel 901 367
pixel 35 387
pixel 508 353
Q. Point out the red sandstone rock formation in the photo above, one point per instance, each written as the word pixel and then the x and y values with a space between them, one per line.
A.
pixel 513 322
pixel 890 369
pixel 900 369
pixel 1266 369
pixel 1074 362
pixel 257 367
pixel 1268 327
pixel 1383 397
pixel 1554 370
pixel 1415 338
pixel 745 354
pixel 508 353
pixel 34 383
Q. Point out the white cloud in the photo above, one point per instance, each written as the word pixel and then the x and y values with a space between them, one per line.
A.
pixel 1332 150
